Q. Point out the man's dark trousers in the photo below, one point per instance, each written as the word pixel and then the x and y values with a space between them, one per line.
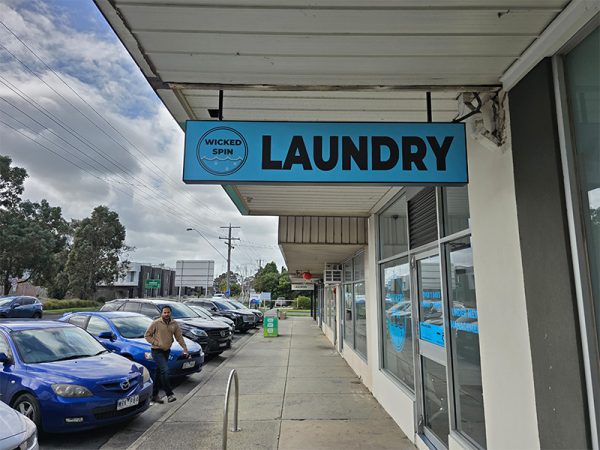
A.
pixel 161 375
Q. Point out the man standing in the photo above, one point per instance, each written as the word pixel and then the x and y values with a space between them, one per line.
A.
pixel 160 335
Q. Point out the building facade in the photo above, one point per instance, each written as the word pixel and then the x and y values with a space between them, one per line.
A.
pixel 472 313
pixel 133 282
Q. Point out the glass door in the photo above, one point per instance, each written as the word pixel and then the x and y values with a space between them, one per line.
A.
pixel 432 389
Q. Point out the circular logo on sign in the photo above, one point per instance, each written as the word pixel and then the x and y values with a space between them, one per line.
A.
pixel 222 151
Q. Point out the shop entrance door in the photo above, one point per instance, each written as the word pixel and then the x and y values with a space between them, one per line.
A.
pixel 432 392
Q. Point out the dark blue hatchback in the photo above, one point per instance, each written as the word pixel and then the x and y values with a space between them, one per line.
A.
pixel 20 306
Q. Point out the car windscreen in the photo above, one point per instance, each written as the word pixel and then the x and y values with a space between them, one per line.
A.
pixel 132 327
pixel 179 311
pixel 233 305
pixel 202 313
pixel 238 304
pixel 6 300
pixel 223 306
pixel 55 344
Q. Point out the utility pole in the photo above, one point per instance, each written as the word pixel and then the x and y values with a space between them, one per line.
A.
pixel 229 247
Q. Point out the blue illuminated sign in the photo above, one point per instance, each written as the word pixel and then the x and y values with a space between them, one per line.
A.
pixel 325 152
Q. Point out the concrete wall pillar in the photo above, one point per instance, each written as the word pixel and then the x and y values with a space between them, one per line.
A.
pixel 506 367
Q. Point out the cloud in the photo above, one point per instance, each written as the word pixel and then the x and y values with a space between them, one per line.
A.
pixel 135 168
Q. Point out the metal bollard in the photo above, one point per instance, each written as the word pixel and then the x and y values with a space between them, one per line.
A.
pixel 232 375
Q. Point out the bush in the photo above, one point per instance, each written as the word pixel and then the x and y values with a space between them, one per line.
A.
pixel 303 302
pixel 73 303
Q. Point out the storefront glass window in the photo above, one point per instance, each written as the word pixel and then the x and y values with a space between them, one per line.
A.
pixel 456 209
pixel 435 399
pixel 348 316
pixel 361 319
pixel 397 321
pixel 393 229
pixel 468 394
pixel 359 267
pixel 348 272
pixel 431 324
pixel 582 66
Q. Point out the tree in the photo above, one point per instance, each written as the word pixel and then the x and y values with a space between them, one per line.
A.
pixel 31 234
pixel 284 286
pixel 11 183
pixel 220 283
pixel 98 244
pixel 267 278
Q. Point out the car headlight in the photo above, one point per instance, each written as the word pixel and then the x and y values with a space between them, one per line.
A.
pixel 31 432
pixel 198 332
pixel 71 390
pixel 148 356
pixel 145 375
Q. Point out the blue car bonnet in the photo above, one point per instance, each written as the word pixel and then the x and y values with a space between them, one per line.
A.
pixel 106 366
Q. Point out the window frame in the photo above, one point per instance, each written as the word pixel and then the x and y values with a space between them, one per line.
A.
pixel 590 341
pixel 102 320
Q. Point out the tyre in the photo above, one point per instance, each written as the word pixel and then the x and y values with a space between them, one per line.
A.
pixel 27 405
pixel 37 315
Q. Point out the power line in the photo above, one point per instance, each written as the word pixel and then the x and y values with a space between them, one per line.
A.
pixel 173 213
pixel 204 237
pixel 93 109
pixel 86 143
pixel 164 199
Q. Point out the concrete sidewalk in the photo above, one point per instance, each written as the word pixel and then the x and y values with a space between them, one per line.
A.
pixel 296 392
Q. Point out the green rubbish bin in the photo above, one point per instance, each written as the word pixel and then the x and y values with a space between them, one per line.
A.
pixel 270 326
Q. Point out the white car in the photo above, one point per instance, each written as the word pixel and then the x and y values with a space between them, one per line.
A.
pixel 16 430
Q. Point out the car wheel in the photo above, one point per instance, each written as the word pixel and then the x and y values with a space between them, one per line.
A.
pixel 37 315
pixel 27 405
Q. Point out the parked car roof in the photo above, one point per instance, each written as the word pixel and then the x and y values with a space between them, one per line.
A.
pixel 107 314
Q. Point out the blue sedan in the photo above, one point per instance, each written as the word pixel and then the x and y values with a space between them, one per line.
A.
pixel 123 333
pixel 64 380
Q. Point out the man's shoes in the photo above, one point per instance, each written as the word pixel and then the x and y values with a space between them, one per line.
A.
pixel 157 399
pixel 171 398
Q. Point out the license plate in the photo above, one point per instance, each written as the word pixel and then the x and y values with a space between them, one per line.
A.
pixel 128 402
pixel 223 344
pixel 188 365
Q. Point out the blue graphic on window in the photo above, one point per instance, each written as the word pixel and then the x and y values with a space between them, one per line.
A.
pixel 432 333
pixel 470 327
pixel 398 321
pixel 397 331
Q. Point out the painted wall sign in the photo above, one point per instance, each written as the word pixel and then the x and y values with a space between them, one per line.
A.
pixel 325 152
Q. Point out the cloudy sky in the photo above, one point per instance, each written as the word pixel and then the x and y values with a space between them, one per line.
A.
pixel 82 120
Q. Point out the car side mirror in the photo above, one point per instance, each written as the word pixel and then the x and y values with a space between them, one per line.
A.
pixel 14 305
pixel 108 335
pixel 4 358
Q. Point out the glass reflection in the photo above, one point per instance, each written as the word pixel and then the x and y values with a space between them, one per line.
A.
pixel 464 327
pixel 435 399
pixel 582 66
pixel 393 229
pixel 456 209
pixel 361 319
pixel 431 322
pixel 397 342
pixel 348 316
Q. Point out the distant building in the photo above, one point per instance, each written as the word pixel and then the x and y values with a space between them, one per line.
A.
pixel 132 284
pixel 194 275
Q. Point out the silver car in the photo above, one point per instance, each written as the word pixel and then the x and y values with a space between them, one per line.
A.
pixel 17 432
